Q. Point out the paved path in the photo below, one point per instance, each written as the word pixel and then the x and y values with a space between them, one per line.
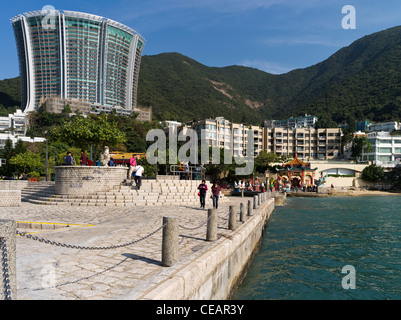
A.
pixel 52 272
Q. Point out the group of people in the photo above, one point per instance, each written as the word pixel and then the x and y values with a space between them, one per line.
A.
pixel 84 161
pixel 186 171
pixel 248 186
pixel 203 192
pixel 136 169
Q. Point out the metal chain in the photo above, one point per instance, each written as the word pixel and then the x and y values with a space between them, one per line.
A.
pixel 4 262
pixel 69 246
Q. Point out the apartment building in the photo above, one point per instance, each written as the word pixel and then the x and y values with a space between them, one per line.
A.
pixel 386 149
pixel 306 143
pixel 224 134
pixel 384 126
pixel 78 56
pixel 306 121
pixel 15 123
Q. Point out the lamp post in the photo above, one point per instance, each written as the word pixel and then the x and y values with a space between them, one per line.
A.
pixel 47 155
pixel 157 157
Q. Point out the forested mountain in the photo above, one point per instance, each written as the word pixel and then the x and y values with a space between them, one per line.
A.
pixel 10 96
pixel 361 81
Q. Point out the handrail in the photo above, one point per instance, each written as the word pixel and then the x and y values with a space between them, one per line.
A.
pixel 188 172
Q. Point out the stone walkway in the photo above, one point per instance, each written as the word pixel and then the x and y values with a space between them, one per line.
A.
pixel 49 272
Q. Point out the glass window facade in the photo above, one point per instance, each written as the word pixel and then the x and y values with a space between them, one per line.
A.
pixel 78 56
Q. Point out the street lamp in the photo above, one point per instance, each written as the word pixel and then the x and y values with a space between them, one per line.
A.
pixel 47 156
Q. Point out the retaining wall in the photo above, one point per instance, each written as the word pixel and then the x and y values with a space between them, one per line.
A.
pixel 13 184
pixel 71 180
pixel 10 198
pixel 214 274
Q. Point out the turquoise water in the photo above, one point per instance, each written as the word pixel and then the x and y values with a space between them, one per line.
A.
pixel 309 240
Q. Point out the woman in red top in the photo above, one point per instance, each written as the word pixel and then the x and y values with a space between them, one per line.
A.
pixel 216 194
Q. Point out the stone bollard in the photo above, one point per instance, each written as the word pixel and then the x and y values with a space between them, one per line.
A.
pixel 242 215
pixel 8 264
pixel 232 218
pixel 211 233
pixel 250 208
pixel 255 202
pixel 170 241
pixel 259 202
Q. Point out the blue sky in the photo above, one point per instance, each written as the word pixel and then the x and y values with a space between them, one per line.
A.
pixel 275 36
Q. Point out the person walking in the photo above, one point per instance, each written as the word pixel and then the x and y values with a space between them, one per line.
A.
pixel 132 166
pixel 69 159
pixel 139 170
pixel 216 194
pixel 84 158
pixel 202 193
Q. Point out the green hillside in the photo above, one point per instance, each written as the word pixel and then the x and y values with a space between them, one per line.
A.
pixel 360 81
pixel 10 96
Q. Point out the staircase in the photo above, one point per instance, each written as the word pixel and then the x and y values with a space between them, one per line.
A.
pixel 152 193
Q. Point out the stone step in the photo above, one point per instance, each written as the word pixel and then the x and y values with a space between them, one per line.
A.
pixel 156 193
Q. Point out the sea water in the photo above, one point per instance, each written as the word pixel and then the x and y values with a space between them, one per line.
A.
pixel 329 248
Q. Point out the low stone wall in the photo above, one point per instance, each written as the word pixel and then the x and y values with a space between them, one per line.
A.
pixel 10 198
pixel 13 184
pixel 214 274
pixel 71 180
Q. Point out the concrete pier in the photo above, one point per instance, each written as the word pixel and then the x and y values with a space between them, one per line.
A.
pixel 204 268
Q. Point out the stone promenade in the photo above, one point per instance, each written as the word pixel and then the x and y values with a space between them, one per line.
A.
pixel 50 272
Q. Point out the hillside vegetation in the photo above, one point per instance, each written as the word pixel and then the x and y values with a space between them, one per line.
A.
pixel 361 81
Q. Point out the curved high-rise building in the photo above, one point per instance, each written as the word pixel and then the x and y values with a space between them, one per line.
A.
pixel 73 55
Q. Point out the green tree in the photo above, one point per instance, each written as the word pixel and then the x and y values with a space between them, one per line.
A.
pixel 7 153
pixel 27 162
pixel 373 173
pixel 264 159
pixel 360 145
pixel 98 131
pixel 20 147
pixel 394 177
pixel 67 109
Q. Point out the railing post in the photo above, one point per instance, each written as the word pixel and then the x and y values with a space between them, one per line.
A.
pixel 170 241
pixel 242 212
pixel 232 218
pixel 255 202
pixel 211 233
pixel 250 208
pixel 8 265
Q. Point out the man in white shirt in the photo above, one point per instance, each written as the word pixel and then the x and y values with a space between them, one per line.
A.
pixel 139 170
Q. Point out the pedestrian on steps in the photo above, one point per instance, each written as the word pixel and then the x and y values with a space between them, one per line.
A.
pixel 132 166
pixel 202 193
pixel 139 170
pixel 215 195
